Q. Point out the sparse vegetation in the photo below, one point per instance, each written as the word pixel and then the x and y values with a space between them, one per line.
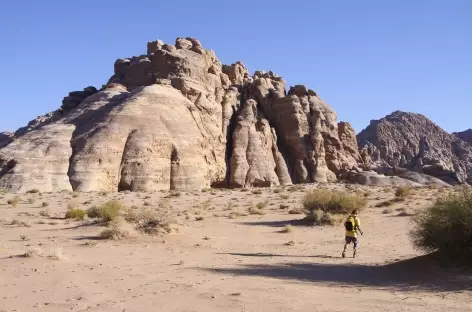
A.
pixel 108 211
pixel 287 229
pixel 32 191
pixel 14 202
pixel 32 252
pixel 332 201
pixel 257 192
pixel 117 229
pixel 151 222
pixel 387 211
pixel 255 211
pixel 261 205
pixel 446 227
pixel 284 196
pixel 199 218
pixel 20 223
pixel 31 200
pixel 403 191
pixel 320 217
pixel 278 190
pixel 283 206
pixel 75 195
pixel 44 204
pixel 75 213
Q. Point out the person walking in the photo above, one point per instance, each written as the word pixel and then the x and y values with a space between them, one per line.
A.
pixel 352 226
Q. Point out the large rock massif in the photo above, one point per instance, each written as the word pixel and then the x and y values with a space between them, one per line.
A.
pixel 176 118
pixel 464 135
pixel 414 142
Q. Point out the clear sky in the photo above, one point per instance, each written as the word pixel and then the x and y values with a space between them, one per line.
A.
pixel 364 58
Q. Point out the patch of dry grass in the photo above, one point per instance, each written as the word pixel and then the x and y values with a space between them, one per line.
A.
pixel 75 213
pixel 333 201
pixel 14 201
pixel 403 191
pixel 287 229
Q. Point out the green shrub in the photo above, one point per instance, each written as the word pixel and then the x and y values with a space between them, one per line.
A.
pixel 446 227
pixel 332 201
pixel 74 213
pixel 108 211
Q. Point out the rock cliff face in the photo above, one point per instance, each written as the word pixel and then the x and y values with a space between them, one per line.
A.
pixel 414 142
pixel 464 135
pixel 176 118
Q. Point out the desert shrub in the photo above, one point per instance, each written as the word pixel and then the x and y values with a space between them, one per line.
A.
pixel 387 211
pixel 446 227
pixel 93 212
pixel 32 191
pixel 287 229
pixel 199 218
pixel 284 196
pixel 255 211
pixel 257 192
pixel 44 213
pixel 14 202
pixel 75 213
pixel 151 222
pixel 117 229
pixel 403 191
pixel 31 200
pixel 332 201
pixel 278 190
pixel 108 211
pixel 75 195
pixel 261 205
pixel 44 204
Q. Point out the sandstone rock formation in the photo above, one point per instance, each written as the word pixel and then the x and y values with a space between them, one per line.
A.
pixel 176 118
pixel 414 142
pixel 464 135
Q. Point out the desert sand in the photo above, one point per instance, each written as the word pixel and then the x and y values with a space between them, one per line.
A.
pixel 213 261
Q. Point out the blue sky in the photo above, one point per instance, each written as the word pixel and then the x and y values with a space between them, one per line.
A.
pixel 365 58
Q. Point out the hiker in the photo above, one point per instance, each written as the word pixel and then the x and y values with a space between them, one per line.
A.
pixel 352 226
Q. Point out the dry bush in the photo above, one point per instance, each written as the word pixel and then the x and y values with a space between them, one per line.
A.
pixel 108 211
pixel 20 223
pixel 278 190
pixel 296 188
pixel 75 195
pixel 287 229
pixel 32 191
pixel 14 202
pixel 257 192
pixel 236 214
pixel 320 217
pixel 75 213
pixel 284 196
pixel 199 218
pixel 151 222
pixel 261 205
pixel 403 191
pixel 44 204
pixel 255 211
pixel 31 200
pixel 283 206
pixel 446 227
pixel 332 201
pixel 32 252
pixel 117 229
pixel 387 211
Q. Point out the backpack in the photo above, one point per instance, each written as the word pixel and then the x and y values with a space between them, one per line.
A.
pixel 349 224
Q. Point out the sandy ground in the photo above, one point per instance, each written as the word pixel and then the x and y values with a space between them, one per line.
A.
pixel 220 263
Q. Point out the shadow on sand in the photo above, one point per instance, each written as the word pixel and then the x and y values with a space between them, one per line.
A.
pixel 421 273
